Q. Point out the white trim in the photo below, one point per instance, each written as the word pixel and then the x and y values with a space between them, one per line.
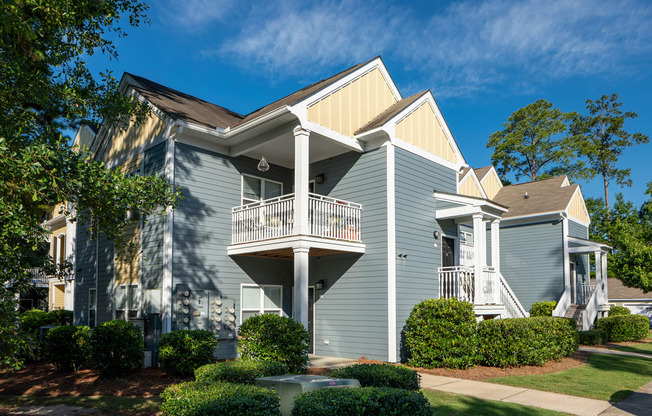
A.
pixel 492 169
pixel 262 188
pixel 261 309
pixel 471 174
pixel 425 154
pixel 129 307
pixel 586 212
pixel 566 254
pixel 167 286
pixel 391 256
pixel 293 241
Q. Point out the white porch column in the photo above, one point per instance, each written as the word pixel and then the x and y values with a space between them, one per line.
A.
pixel 301 169
pixel 598 274
pixel 478 248
pixel 300 308
pixel 495 245
pixel 605 279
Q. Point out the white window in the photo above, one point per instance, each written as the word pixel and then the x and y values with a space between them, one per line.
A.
pixel 92 307
pixel 466 238
pixel 127 302
pixel 256 300
pixel 257 189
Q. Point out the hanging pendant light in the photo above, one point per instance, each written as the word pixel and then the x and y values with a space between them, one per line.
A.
pixel 263 166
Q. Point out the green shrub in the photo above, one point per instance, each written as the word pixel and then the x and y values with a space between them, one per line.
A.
pixel 526 341
pixel 592 337
pixel 61 316
pixel 242 372
pixel 616 310
pixel 380 375
pixel 624 327
pixel 181 352
pixel 68 347
pixel 203 399
pixel 270 337
pixel 117 347
pixel 544 308
pixel 441 333
pixel 31 321
pixel 364 401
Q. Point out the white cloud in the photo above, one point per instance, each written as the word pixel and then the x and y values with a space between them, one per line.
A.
pixel 194 14
pixel 465 48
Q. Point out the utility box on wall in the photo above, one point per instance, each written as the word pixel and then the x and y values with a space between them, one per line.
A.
pixel 204 309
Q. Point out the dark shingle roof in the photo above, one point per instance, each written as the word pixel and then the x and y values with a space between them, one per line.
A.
pixel 481 172
pixel 387 115
pixel 543 196
pixel 181 106
pixel 619 291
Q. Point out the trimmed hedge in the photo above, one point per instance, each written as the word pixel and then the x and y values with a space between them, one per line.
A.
pixel 624 327
pixel 68 347
pixel 31 321
pixel 526 341
pixel 183 351
pixel 363 401
pixel 380 375
pixel 242 372
pixel 544 308
pixel 616 310
pixel 270 337
pixel 441 333
pixel 203 399
pixel 62 316
pixel 118 347
pixel 592 337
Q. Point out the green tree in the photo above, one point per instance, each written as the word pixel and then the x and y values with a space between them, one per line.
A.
pixel 531 143
pixel 45 87
pixel 602 138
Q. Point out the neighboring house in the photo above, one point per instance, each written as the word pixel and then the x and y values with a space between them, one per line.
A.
pixel 638 302
pixel 359 217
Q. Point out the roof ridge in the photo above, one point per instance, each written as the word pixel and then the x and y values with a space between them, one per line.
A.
pixel 539 181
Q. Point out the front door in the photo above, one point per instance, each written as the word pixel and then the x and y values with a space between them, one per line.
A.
pixel 311 316
pixel 447 252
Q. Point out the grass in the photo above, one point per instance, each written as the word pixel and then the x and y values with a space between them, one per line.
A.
pixel 604 377
pixel 114 405
pixel 444 404
pixel 645 348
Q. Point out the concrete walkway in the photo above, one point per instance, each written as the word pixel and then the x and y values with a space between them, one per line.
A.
pixel 638 403
pixel 614 352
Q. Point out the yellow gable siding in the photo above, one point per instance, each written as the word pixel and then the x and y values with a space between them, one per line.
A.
pixel 355 104
pixel 470 188
pixel 422 129
pixel 577 208
pixel 134 135
pixel 491 185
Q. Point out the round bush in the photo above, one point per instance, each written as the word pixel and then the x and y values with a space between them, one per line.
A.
pixel 616 310
pixel 117 347
pixel 624 328
pixel 380 375
pixel 270 337
pixel 68 347
pixel 31 321
pixel 242 372
pixel 592 337
pixel 62 316
pixel 544 308
pixel 526 341
pixel 181 352
pixel 204 399
pixel 441 333
pixel 363 401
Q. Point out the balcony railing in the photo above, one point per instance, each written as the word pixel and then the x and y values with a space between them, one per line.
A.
pixel 274 218
pixel 39 279
pixel 459 282
pixel 584 292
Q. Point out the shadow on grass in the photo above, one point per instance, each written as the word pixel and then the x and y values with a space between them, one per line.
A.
pixel 444 404
pixel 123 405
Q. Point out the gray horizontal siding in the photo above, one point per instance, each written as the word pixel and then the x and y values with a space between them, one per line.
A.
pixel 84 272
pixel 416 275
pixel 575 229
pixel 531 260
pixel 151 273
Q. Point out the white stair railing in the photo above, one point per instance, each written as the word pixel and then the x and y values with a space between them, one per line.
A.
pixel 513 307
pixel 591 311
pixel 563 304
pixel 490 286
pixel 456 282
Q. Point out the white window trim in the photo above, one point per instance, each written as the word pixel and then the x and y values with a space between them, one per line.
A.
pixel 262 308
pixel 129 307
pixel 244 200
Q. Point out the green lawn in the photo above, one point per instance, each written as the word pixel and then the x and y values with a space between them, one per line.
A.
pixel 115 405
pixel 604 377
pixel 444 404
pixel 645 348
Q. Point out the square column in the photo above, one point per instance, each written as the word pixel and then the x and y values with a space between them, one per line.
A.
pixel 495 245
pixel 301 172
pixel 300 309
pixel 598 274
pixel 478 248
pixel 605 280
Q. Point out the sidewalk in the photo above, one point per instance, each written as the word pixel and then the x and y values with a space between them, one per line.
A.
pixel 614 352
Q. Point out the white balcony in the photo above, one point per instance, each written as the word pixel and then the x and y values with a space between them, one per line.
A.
pixel 329 218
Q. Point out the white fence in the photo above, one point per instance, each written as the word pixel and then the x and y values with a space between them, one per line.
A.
pixel 274 218
pixel 584 293
pixel 457 282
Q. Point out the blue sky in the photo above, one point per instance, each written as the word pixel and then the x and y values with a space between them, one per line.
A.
pixel 482 59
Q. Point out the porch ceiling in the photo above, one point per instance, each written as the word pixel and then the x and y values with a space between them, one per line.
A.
pixel 288 253
pixel 582 246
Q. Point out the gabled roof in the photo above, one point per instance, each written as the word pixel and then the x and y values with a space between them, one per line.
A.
pixel 543 196
pixel 481 172
pixel 388 114
pixel 617 290
pixel 182 106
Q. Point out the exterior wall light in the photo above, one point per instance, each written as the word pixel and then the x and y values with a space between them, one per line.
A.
pixel 319 178
pixel 436 235
pixel 319 285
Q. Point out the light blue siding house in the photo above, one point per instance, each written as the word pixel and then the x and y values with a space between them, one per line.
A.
pixel 341 205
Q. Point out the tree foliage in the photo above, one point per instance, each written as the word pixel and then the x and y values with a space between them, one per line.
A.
pixel 531 144
pixel 46 87
pixel 601 139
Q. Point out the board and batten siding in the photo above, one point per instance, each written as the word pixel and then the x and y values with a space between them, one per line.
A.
pixel 211 186
pixel 351 315
pixel 532 261
pixel 416 275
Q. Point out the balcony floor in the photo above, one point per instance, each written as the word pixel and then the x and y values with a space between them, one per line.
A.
pixel 282 248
